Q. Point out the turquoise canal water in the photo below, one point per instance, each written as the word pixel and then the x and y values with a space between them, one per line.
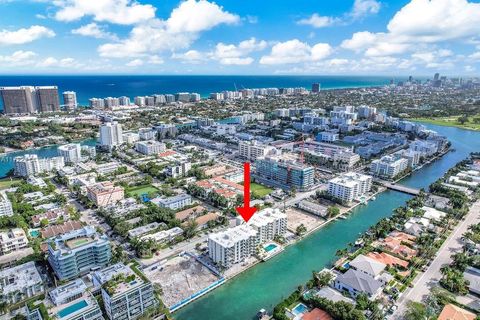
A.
pixel 6 161
pixel 266 284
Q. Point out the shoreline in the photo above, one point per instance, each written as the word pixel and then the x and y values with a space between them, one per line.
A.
pixel 319 227
pixel 430 121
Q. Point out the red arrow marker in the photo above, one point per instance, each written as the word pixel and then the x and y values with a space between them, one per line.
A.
pixel 246 211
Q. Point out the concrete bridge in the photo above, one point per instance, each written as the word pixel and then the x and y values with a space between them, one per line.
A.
pixel 400 188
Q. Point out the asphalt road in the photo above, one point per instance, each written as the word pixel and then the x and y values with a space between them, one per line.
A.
pixel 423 283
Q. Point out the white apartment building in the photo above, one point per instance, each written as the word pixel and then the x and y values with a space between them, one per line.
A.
pixel 150 147
pixel 175 202
pixel 226 129
pixel 70 100
pixel 30 165
pixel 131 137
pixel 349 186
pixel 72 153
pixel 252 150
pixel 12 240
pixel 269 223
pixel 234 245
pixel 147 134
pixel 426 148
pixel 111 134
pixel 388 166
pixel 124 299
pixel 178 170
pixel 20 282
pixel 5 205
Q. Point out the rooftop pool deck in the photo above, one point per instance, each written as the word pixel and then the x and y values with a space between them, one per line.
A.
pixel 72 309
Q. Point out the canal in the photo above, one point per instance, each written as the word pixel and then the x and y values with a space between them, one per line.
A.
pixel 268 283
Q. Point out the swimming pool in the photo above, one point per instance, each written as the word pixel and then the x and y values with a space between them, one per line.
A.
pixel 34 233
pixel 73 308
pixel 270 247
pixel 299 309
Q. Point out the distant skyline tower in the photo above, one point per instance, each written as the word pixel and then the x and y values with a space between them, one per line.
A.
pixel 70 100
pixel 47 98
pixel 316 87
pixel 18 100
pixel 436 76
pixel 111 134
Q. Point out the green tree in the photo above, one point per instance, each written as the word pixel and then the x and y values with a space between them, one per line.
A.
pixel 415 311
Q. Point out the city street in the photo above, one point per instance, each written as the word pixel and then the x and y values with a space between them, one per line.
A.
pixel 424 283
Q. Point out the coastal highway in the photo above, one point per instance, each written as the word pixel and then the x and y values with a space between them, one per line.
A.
pixel 424 283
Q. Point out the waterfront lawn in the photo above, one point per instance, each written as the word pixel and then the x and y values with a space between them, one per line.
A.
pixel 140 190
pixel 260 191
pixel 7 183
pixel 452 122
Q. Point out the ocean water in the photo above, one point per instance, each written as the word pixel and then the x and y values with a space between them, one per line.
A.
pixel 88 87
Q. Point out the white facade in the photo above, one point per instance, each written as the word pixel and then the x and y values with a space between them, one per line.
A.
pixel 349 186
pixel 253 150
pixel 150 147
pixel 70 100
pixel 388 166
pixel 234 245
pixel 5 205
pixel 131 137
pixel 72 153
pixel 12 240
pixel 226 129
pixel 111 134
pixel 30 165
pixel 20 282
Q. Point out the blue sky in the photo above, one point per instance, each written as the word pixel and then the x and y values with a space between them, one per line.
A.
pixel 367 37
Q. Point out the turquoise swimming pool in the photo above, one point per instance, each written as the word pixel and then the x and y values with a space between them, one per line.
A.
pixel 34 233
pixel 299 309
pixel 73 308
pixel 270 247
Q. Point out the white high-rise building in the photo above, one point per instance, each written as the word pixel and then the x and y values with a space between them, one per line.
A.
pixel 269 223
pixel 139 101
pixel 30 165
pixel 5 205
pixel 124 101
pixel 111 134
pixel 150 147
pixel 388 166
pixel 233 245
pixel 70 100
pixel 236 244
pixel 349 186
pixel 72 153
pixel 252 150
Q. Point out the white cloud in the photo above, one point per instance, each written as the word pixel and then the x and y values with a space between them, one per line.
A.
pixel 230 54
pixel 420 22
pixel 295 51
pixel 178 32
pixel 196 16
pixel 191 56
pixel 18 58
pixel 475 56
pixel 59 63
pixel 94 30
pixel 155 60
pixel 134 63
pixel 24 35
pixel 362 8
pixel 114 11
pixel 318 21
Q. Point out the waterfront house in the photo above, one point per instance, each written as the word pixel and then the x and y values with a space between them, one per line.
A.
pixel 355 282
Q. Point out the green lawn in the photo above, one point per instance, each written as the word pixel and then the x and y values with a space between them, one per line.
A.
pixel 451 122
pixel 259 190
pixel 7 183
pixel 139 190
